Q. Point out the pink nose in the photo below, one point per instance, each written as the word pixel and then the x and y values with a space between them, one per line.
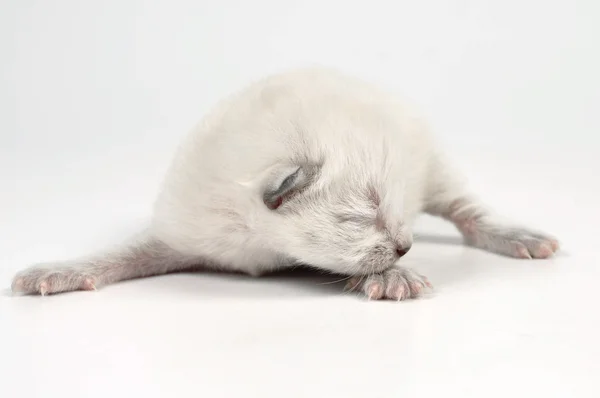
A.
pixel 401 251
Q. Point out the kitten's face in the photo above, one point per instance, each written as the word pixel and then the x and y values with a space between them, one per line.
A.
pixel 344 223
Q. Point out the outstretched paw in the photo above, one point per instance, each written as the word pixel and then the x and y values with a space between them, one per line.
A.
pixel 513 242
pixel 45 280
pixel 396 283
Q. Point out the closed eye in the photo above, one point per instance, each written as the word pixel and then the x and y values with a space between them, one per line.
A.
pixel 361 220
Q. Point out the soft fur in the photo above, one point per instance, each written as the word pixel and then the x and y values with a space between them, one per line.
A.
pixel 366 166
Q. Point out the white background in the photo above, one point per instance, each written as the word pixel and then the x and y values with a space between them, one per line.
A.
pixel 94 97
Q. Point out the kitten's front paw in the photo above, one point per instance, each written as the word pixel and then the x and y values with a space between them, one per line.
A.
pixel 510 241
pixel 396 283
pixel 44 280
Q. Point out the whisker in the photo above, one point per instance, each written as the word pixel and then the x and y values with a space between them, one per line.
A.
pixel 339 280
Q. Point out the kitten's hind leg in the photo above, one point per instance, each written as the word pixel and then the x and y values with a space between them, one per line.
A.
pixel 448 197
pixel 143 257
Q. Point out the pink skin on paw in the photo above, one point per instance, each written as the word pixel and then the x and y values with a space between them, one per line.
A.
pixel 88 284
pixel 394 284
pixel 523 252
pixel 555 245
pixel 544 251
pixel 18 285
pixel 416 288
pixel 427 283
pixel 353 283
pixel 469 227
pixel 375 291
pixel 400 293
pixel 395 292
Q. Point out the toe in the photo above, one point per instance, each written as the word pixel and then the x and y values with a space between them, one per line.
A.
pixel 374 287
pixel 43 288
pixel 416 288
pixel 522 251
pixel 400 293
pixel 543 251
pixel 354 283
pixel 88 284
pixel 374 291
pixel 427 283
pixel 396 291
pixel 17 285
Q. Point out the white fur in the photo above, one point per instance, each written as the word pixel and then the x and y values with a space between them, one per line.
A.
pixel 374 167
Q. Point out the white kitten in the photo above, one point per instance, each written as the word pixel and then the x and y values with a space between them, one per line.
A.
pixel 306 167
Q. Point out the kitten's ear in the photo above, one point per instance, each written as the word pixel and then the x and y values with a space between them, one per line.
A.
pixel 287 182
pixel 281 185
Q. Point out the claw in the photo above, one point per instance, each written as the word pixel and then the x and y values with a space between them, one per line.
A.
pixel 43 288
pixel 400 293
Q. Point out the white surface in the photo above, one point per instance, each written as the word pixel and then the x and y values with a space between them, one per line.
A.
pixel 107 89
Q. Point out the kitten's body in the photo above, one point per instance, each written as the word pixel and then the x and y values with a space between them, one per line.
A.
pixel 362 166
